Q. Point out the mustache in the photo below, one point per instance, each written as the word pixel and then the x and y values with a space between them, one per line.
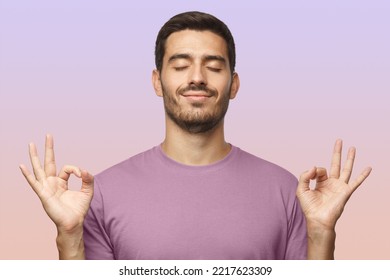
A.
pixel 200 87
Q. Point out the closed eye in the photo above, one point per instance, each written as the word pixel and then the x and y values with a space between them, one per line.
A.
pixel 180 68
pixel 214 69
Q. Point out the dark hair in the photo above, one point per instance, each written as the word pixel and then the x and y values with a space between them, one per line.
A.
pixel 194 21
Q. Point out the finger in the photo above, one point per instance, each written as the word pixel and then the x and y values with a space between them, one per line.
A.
pixel 360 179
pixel 304 180
pixel 336 159
pixel 36 164
pixel 30 178
pixel 50 165
pixel 321 174
pixel 87 181
pixel 67 170
pixel 347 170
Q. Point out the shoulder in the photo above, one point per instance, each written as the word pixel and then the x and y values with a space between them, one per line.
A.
pixel 132 165
pixel 268 177
pixel 263 167
pixel 268 180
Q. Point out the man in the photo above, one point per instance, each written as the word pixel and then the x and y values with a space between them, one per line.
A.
pixel 195 196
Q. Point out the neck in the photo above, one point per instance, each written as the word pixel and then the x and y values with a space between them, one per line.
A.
pixel 195 149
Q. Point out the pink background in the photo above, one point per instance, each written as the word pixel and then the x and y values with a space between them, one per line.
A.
pixel 81 70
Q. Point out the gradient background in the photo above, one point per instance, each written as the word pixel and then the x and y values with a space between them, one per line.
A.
pixel 81 70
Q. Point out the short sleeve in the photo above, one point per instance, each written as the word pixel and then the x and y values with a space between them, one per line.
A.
pixel 297 236
pixel 96 240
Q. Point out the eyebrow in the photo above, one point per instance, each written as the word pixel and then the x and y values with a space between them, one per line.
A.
pixel 215 57
pixel 205 58
pixel 179 56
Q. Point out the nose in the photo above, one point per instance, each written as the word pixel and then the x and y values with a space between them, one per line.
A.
pixel 197 76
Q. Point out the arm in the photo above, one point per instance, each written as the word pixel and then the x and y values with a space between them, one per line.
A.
pixel 66 208
pixel 324 204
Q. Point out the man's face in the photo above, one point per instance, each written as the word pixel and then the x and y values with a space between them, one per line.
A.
pixel 195 80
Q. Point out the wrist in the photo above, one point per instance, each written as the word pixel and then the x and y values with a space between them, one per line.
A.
pixel 316 226
pixel 321 241
pixel 70 244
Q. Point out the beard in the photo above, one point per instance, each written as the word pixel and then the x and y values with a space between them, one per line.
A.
pixel 195 121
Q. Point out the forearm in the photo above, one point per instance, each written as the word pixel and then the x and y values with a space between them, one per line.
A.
pixel 321 242
pixel 71 244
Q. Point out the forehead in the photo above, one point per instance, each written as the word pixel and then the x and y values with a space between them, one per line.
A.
pixel 196 43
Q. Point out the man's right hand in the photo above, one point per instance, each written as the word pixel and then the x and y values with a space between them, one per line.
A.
pixel 66 208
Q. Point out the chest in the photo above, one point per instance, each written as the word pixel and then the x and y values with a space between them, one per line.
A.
pixel 174 222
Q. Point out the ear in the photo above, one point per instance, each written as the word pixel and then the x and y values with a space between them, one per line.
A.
pixel 235 85
pixel 156 81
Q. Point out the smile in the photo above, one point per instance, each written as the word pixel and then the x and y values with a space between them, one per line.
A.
pixel 196 97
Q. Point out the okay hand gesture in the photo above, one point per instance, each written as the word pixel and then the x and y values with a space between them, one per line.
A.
pixel 65 207
pixel 324 204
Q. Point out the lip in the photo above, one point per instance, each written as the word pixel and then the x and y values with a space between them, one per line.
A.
pixel 196 95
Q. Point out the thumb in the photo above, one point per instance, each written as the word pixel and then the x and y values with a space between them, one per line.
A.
pixel 86 181
pixel 304 180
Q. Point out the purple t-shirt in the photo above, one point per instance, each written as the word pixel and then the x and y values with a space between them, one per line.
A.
pixel 152 207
